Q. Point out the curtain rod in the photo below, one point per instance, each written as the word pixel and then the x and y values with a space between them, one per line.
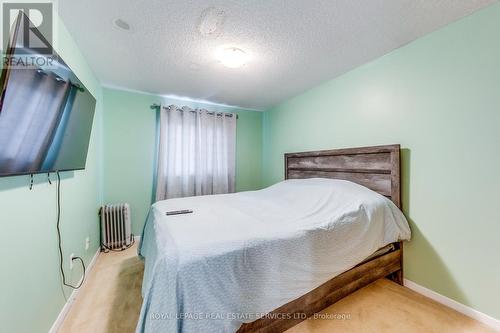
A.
pixel 157 106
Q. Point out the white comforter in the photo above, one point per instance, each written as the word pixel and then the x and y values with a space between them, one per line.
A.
pixel 239 256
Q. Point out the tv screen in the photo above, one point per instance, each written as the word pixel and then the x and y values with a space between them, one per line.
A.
pixel 46 113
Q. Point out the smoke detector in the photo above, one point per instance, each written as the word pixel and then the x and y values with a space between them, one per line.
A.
pixel 122 25
pixel 211 22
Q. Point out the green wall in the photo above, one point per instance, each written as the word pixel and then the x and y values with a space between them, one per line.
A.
pixel 129 148
pixel 439 97
pixel 31 294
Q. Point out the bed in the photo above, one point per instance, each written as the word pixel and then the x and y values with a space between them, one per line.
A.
pixel 262 261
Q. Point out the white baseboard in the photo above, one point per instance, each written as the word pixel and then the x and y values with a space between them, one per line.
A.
pixel 69 303
pixel 137 239
pixel 468 311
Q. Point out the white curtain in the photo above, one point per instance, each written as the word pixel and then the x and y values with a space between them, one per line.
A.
pixel 197 153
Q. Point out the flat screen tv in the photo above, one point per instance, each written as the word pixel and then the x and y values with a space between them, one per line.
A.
pixel 46 112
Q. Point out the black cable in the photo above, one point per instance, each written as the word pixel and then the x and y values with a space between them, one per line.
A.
pixel 59 239
pixel 123 248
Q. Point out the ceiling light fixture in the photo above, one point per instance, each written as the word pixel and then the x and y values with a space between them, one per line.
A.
pixel 232 57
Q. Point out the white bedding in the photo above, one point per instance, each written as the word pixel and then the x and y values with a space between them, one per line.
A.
pixel 239 256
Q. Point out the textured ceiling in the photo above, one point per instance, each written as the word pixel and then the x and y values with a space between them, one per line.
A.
pixel 293 44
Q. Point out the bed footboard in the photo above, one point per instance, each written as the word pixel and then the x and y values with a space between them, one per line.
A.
pixel 387 265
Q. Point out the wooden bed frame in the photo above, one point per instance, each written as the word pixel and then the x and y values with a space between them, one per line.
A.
pixel 377 168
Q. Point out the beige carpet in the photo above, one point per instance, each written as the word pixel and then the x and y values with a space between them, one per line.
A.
pixel 110 302
pixel 385 306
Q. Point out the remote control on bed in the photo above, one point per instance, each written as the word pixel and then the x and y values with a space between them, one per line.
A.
pixel 179 212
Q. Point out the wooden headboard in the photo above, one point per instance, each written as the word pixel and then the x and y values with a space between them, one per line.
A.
pixel 377 168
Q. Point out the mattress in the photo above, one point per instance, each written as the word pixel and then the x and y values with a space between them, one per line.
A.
pixel 239 256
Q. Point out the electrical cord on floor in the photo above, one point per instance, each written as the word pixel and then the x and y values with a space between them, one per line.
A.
pixel 59 240
pixel 107 248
